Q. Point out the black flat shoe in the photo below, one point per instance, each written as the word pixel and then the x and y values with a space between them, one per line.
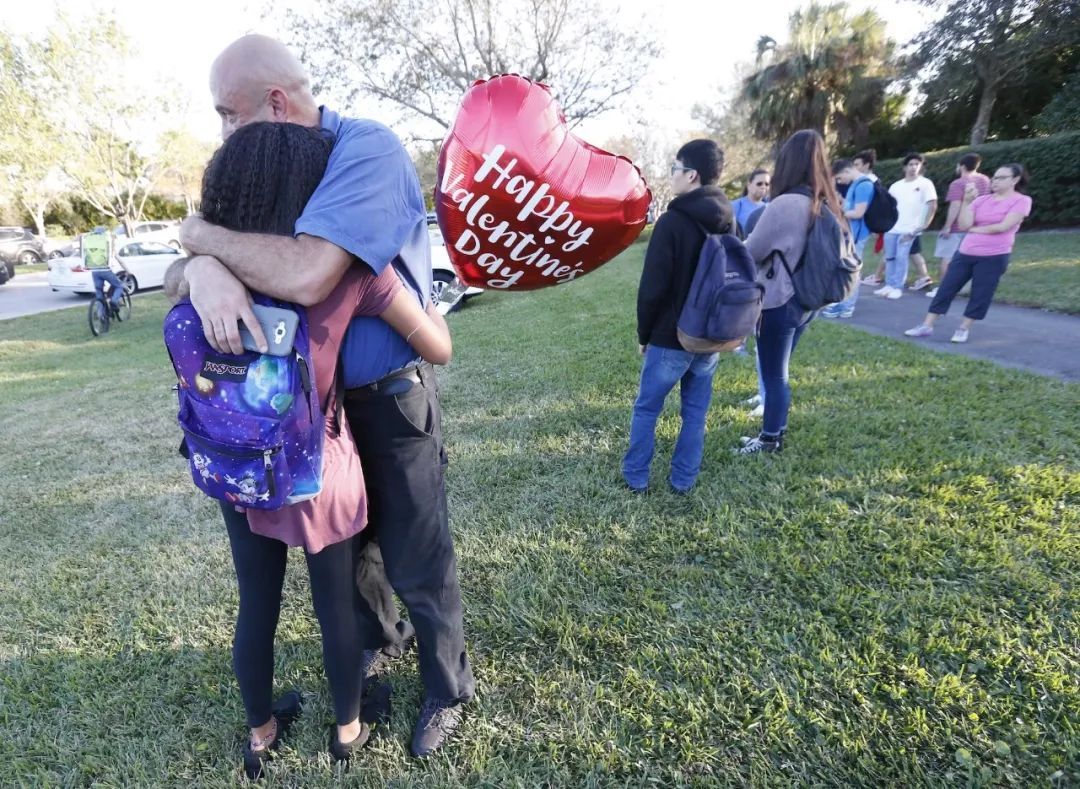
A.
pixel 376 708
pixel 344 751
pixel 286 710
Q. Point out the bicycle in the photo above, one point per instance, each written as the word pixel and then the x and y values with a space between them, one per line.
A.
pixel 102 312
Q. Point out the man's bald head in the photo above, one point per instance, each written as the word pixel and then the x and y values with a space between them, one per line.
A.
pixel 257 78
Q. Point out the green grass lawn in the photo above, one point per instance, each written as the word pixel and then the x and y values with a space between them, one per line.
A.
pixel 1044 270
pixel 33 268
pixel 895 601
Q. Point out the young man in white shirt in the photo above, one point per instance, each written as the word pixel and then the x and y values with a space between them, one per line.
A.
pixel 916 202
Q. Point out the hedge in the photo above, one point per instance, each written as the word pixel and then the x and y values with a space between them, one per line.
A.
pixel 1053 163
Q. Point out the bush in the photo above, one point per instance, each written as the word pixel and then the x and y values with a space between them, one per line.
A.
pixel 1051 162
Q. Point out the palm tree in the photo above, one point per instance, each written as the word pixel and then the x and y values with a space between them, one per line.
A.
pixel 830 75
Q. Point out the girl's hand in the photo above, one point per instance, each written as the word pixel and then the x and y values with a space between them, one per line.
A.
pixel 970 193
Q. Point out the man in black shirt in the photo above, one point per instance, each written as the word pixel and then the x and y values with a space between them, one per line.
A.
pixel 699 207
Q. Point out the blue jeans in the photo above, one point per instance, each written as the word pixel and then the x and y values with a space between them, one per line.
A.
pixel 757 369
pixel 101 276
pixel 848 305
pixel 778 334
pixel 662 369
pixel 897 251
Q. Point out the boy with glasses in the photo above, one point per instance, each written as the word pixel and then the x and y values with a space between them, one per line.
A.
pixel 699 206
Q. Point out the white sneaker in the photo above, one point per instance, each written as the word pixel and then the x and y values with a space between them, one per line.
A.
pixel 752 401
pixel 931 293
pixel 883 291
pixel 922 330
pixel 759 410
pixel 894 293
pixel 871 280
pixel 961 335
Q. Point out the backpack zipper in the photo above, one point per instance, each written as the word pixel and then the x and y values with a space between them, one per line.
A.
pixel 268 466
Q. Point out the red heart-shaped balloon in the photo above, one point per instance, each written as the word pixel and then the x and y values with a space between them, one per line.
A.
pixel 522 202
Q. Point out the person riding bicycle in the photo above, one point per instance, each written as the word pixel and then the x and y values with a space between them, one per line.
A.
pixel 96 253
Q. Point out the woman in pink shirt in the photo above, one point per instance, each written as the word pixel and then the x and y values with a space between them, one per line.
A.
pixel 991 222
pixel 259 181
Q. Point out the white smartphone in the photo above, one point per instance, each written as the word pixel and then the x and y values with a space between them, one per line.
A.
pixel 279 326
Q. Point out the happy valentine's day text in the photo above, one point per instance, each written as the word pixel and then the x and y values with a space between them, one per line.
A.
pixel 522 247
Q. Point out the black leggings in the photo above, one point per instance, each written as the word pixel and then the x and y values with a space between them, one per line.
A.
pixel 260 573
pixel 984 271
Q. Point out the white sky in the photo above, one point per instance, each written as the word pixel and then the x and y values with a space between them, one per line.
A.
pixel 702 41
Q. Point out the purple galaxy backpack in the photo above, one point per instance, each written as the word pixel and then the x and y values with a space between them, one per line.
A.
pixel 253 429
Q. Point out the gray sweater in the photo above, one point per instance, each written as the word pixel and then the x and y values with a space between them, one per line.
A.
pixel 783 227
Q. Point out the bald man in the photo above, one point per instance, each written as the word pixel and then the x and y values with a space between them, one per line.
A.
pixel 368 210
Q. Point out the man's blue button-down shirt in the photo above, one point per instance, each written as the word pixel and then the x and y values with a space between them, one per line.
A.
pixel 369 203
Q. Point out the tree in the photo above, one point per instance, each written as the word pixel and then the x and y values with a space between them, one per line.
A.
pixel 1063 112
pixel 75 118
pixel 426 161
pixel 653 154
pixel 945 116
pixel 831 75
pixel 987 43
pixel 182 158
pixel 84 72
pixel 31 144
pixel 422 56
pixel 729 125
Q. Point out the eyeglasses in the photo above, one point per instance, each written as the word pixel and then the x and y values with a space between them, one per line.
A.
pixel 1003 177
pixel 677 167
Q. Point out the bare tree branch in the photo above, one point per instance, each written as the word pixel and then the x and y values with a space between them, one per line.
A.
pixel 422 56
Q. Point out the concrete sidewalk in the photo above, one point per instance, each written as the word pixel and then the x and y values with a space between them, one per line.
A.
pixel 1047 343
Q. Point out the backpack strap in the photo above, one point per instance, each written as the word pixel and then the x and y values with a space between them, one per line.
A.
pixel 805 192
pixel 776 253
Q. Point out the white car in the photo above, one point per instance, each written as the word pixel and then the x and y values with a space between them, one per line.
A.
pixel 147 262
pixel 162 232
pixel 443 273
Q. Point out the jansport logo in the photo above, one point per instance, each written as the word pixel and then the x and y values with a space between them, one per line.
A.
pixel 220 368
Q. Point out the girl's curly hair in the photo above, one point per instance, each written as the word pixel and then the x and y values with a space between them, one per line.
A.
pixel 261 178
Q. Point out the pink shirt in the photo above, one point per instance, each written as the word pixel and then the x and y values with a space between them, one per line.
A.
pixel 956 191
pixel 989 210
pixel 340 509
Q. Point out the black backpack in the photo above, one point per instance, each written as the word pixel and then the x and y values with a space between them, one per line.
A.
pixel 724 301
pixel 828 271
pixel 882 213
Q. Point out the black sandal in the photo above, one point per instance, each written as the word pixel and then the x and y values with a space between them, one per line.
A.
pixel 286 710
pixel 344 751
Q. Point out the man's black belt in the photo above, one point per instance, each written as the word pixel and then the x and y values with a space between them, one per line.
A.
pixel 381 387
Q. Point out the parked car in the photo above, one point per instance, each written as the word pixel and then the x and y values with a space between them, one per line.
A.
pixel 146 261
pixel 443 274
pixel 162 232
pixel 19 245
pixel 60 248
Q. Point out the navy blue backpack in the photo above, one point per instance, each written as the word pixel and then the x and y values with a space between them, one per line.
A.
pixel 724 301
